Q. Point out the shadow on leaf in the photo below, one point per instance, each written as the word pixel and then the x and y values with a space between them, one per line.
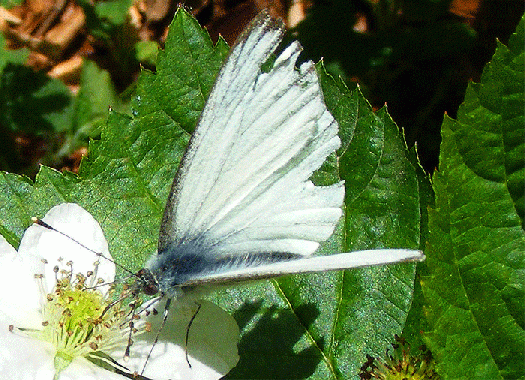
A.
pixel 272 346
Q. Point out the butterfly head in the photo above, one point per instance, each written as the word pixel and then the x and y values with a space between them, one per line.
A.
pixel 146 283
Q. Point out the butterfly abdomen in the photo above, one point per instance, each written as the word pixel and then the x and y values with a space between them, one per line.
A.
pixel 183 263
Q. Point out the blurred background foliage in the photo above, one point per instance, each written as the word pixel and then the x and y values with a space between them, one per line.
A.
pixel 63 63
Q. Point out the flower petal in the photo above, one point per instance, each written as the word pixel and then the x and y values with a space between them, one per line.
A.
pixel 78 224
pixel 23 358
pixel 20 298
pixel 212 346
pixel 82 369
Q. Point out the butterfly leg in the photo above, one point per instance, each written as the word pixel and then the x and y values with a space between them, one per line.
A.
pixel 164 318
pixel 188 331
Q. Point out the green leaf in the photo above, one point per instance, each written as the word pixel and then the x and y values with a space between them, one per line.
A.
pixel 11 56
pixel 8 4
pixel 106 21
pixel 21 199
pixel 93 100
pixel 416 321
pixel 186 71
pixel 33 102
pixel 103 16
pixel 128 176
pixel 146 52
pixel 316 326
pixel 474 288
pixel 115 11
pixel 493 112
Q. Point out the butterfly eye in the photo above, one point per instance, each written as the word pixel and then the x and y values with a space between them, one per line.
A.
pixel 151 289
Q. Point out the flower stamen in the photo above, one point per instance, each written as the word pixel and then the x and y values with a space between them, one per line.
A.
pixel 79 320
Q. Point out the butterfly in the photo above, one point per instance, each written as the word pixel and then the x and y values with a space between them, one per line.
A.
pixel 242 205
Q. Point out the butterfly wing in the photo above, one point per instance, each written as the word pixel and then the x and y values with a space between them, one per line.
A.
pixel 315 264
pixel 243 185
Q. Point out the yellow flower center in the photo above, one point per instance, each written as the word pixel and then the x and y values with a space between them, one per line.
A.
pixel 79 321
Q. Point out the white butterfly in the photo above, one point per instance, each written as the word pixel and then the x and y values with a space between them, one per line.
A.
pixel 242 206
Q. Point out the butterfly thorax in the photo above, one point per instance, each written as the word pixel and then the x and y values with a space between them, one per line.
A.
pixel 180 264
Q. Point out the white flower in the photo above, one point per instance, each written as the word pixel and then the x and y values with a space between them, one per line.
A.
pixel 51 326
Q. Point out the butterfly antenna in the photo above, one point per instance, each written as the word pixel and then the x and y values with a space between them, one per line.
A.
pixel 45 225
pixel 164 318
pixel 188 331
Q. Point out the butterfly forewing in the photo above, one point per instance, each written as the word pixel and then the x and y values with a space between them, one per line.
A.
pixel 243 186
